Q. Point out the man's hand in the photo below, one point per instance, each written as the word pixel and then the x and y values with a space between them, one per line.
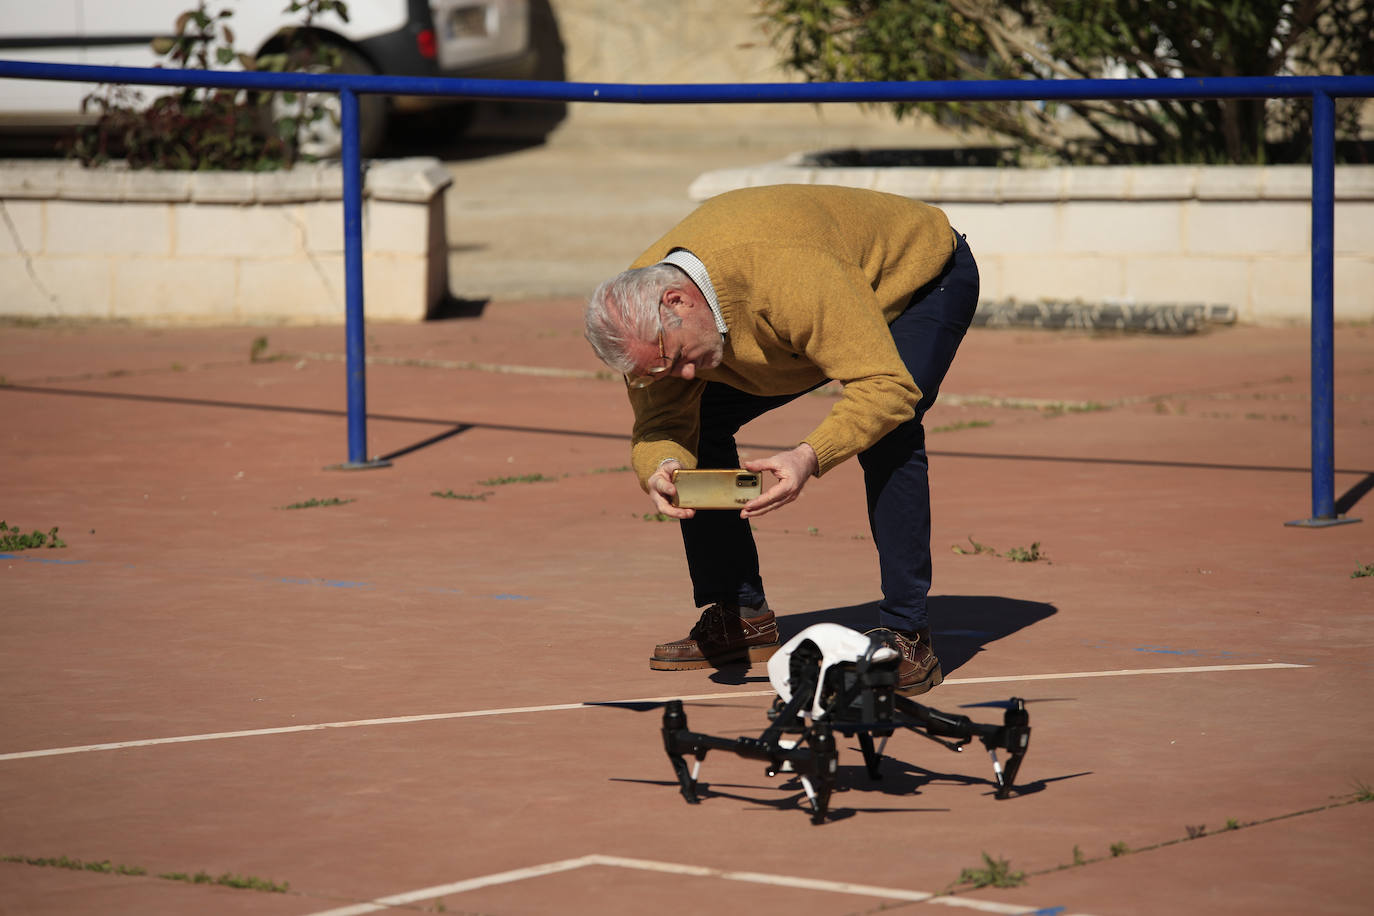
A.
pixel 793 468
pixel 662 491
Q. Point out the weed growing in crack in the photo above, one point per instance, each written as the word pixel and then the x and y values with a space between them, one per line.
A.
pixel 994 873
pixel 314 503
pixel 1025 554
pixel 521 478
pixel 14 539
pixel 977 548
pixel 228 879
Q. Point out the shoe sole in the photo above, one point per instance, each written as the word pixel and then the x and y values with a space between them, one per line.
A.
pixel 934 679
pixel 751 655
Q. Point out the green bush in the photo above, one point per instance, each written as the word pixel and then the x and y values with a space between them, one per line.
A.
pixel 212 128
pixel 844 40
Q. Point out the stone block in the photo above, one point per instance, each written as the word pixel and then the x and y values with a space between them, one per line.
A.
pixel 395 288
pixel 990 285
pixel 1353 228
pixel 415 180
pixel 395 227
pixel 180 288
pixel 1229 228
pixel 1234 182
pixel 972 184
pixel 1032 184
pixel 1180 278
pixel 1280 291
pixel 1064 277
pixel 329 181
pixel 780 174
pixel 105 228
pixel 21 232
pixel 1018 228
pixel 1124 228
pixel 1353 280
pixel 322 221
pixel 166 187
pixel 918 184
pixel 287 186
pixel 1353 182
pixel 55 287
pixel 847 177
pixel 1290 182
pixel 221 230
pixel 22 179
pixel 1106 182
pixel 292 289
pixel 222 187
pixel 1163 182
pixel 103 184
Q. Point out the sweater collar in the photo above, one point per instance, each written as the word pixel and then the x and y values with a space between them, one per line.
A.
pixel 691 265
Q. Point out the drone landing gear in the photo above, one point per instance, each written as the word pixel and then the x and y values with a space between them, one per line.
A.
pixel 857 700
pixel 812 756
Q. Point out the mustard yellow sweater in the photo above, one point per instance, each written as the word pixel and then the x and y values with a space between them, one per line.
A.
pixel 808 279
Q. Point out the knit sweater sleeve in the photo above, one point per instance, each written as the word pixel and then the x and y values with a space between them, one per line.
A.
pixel 667 425
pixel 835 322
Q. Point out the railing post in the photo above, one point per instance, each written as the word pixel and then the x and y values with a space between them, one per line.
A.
pixel 354 336
pixel 1323 315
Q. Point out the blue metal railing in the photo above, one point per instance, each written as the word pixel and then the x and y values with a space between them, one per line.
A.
pixel 1323 90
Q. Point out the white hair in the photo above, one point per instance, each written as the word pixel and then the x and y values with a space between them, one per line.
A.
pixel 625 309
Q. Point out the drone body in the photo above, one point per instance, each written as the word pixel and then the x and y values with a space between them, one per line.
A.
pixel 831 679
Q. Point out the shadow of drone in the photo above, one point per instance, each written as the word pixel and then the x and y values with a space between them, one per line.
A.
pixel 794 800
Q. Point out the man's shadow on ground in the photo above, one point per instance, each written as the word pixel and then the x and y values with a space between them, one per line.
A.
pixel 961 626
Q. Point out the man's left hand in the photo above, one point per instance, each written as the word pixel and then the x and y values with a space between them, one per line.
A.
pixel 792 468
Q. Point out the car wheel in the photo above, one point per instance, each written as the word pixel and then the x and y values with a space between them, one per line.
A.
pixel 322 138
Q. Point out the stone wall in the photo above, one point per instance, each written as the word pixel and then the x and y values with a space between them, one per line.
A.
pixel 217 247
pixel 1227 235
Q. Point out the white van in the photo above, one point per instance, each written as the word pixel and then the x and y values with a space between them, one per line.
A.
pixel 452 38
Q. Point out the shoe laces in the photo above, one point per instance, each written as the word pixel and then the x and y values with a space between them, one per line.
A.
pixel 711 625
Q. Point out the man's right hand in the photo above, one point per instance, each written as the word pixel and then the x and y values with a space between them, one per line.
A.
pixel 662 491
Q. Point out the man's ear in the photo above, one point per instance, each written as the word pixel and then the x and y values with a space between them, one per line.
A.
pixel 678 301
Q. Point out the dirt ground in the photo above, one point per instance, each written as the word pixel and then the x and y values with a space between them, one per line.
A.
pixel 392 696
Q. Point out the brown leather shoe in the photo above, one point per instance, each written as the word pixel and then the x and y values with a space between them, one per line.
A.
pixel 720 637
pixel 919 669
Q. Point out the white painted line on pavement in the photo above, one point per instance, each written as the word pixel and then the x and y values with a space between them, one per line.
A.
pixel 675 868
pixel 517 710
pixel 458 887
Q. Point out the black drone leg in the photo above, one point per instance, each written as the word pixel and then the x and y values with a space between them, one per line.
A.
pixel 871 756
pixel 819 779
pixel 675 721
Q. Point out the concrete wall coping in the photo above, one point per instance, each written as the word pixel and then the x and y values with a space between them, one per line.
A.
pixel 414 180
pixel 1005 185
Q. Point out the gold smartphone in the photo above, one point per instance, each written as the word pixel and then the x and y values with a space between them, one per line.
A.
pixel 730 488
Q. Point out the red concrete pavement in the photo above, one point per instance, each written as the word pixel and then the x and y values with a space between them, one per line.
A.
pixel 1155 475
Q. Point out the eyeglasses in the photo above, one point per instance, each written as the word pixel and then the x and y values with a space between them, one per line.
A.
pixel 654 371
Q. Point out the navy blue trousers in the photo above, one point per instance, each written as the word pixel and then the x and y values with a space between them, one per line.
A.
pixel 721 555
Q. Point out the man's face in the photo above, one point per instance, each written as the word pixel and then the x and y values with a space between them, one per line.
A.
pixel 682 350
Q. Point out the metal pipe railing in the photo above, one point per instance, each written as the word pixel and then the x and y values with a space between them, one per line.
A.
pixel 1323 90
